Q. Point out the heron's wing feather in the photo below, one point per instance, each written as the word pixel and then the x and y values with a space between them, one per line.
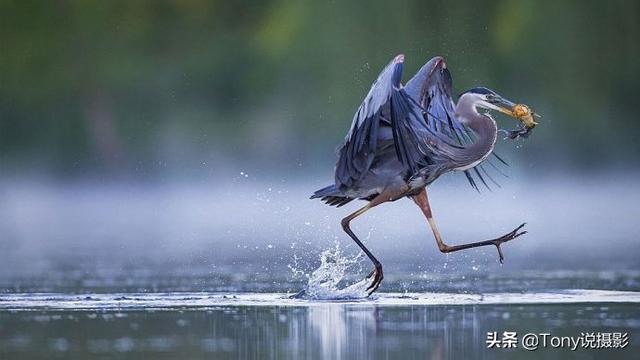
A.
pixel 431 87
pixel 356 154
pixel 423 124
pixel 386 104
pixel 417 145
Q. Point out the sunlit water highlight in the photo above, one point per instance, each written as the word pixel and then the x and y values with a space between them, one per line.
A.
pixel 199 301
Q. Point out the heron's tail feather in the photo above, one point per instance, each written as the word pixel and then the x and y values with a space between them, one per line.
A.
pixel 331 196
pixel 325 191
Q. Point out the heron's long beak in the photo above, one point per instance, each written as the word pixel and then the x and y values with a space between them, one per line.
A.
pixel 518 111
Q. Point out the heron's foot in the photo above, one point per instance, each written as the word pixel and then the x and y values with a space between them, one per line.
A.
pixel 507 237
pixel 377 276
pixel 299 295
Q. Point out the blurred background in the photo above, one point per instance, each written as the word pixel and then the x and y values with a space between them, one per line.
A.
pixel 173 144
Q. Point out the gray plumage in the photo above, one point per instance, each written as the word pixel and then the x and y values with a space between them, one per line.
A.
pixel 402 138
pixel 410 135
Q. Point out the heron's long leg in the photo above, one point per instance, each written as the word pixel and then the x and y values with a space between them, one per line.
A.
pixel 422 201
pixel 383 197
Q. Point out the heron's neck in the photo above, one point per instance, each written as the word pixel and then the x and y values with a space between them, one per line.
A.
pixel 486 132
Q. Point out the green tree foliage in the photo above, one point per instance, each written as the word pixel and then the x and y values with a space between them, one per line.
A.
pixel 115 86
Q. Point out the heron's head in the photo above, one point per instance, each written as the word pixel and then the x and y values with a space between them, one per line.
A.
pixel 489 99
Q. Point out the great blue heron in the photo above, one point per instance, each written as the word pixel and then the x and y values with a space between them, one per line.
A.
pixel 404 137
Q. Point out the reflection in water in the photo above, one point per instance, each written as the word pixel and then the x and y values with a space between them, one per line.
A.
pixel 329 326
pixel 337 329
pixel 321 331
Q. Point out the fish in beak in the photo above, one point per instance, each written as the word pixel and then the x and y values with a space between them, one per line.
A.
pixel 521 112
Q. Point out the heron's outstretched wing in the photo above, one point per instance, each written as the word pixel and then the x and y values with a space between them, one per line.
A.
pixel 386 104
pixel 356 154
pixel 431 87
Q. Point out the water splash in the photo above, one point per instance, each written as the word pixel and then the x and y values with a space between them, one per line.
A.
pixel 327 282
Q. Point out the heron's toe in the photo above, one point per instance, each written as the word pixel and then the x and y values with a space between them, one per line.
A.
pixel 377 279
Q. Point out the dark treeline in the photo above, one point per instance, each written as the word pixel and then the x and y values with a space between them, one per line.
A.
pixel 139 87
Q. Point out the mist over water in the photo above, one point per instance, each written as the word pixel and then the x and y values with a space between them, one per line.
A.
pixel 263 235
